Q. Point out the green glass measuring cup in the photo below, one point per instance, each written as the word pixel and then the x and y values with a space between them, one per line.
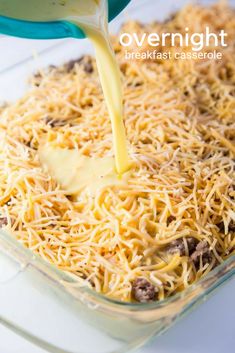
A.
pixel 11 24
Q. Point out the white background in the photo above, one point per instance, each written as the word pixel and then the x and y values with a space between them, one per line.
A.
pixel 209 329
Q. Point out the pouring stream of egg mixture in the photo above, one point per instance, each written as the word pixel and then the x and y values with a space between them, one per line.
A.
pixel 80 171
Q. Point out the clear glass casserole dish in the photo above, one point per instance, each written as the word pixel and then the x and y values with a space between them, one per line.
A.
pixel 44 304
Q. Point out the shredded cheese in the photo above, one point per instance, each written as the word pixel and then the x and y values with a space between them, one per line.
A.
pixel 179 118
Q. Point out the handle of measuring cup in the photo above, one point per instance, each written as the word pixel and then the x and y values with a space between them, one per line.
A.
pixel 54 29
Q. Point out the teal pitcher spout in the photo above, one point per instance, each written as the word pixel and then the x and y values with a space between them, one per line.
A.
pixel 51 29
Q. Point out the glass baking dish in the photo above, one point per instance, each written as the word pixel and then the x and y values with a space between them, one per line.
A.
pixel 45 305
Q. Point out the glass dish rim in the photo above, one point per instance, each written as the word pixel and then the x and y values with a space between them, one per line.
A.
pixel 35 259
pixel 223 272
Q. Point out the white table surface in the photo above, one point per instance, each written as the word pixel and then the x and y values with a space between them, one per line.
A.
pixel 209 329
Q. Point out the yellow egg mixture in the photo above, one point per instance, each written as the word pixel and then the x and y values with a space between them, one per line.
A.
pixel 135 227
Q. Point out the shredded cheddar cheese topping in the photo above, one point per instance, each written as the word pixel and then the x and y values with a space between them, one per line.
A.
pixel 179 119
